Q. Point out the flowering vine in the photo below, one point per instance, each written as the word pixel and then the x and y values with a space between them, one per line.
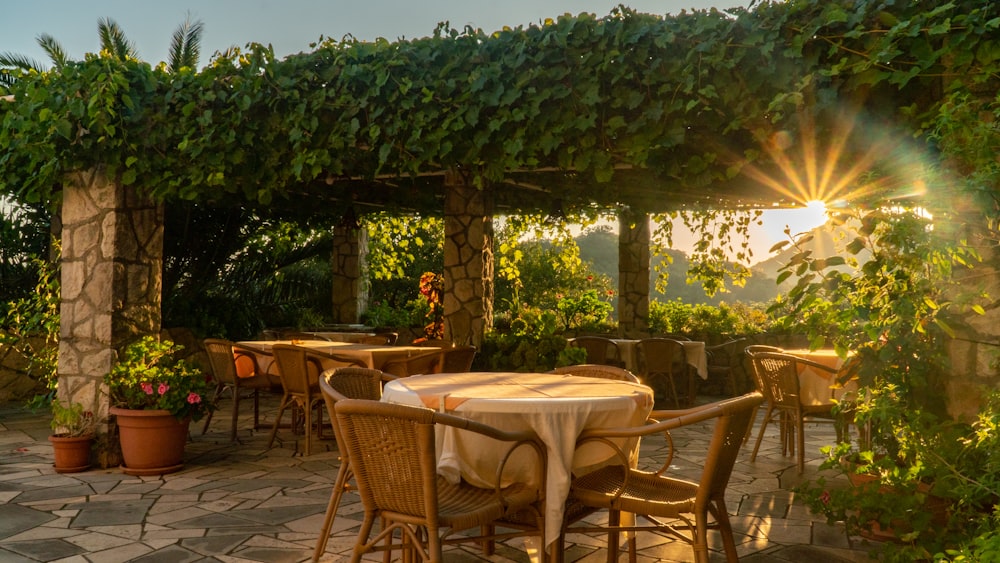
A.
pixel 432 288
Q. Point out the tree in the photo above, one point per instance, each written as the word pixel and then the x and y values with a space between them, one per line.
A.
pixel 185 50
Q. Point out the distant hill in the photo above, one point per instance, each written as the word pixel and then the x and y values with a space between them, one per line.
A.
pixel 601 249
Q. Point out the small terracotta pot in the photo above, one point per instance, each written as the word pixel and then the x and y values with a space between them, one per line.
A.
pixel 72 453
pixel 152 441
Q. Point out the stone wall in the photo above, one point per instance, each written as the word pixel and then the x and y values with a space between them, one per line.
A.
pixel 112 253
pixel 350 292
pixel 633 273
pixel 468 262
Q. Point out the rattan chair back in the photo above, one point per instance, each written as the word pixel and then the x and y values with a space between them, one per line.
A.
pixel 434 343
pixel 292 335
pixel 457 360
pixel 662 359
pixel 777 377
pixel 339 384
pixel 392 453
pixel 222 357
pixel 600 350
pixel 300 368
pixel 417 364
pixel 598 370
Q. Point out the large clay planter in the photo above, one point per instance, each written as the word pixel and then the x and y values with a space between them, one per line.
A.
pixel 72 454
pixel 152 441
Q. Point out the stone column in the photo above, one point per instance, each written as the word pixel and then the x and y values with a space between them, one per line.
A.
pixel 633 273
pixel 112 255
pixel 468 261
pixel 350 254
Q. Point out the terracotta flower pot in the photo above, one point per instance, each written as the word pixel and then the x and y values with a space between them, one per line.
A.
pixel 72 453
pixel 934 505
pixel 152 441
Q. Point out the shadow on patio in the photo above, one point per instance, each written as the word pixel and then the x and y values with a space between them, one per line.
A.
pixel 242 502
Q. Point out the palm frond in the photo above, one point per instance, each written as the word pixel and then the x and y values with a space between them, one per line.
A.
pixel 15 60
pixel 114 40
pixel 185 45
pixel 53 49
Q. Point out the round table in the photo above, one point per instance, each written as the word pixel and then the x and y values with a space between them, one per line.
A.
pixel 557 407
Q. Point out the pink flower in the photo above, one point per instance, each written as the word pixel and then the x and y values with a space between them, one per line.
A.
pixel 559 296
pixel 611 292
pixel 590 278
pixel 147 388
pixel 163 388
pixel 194 398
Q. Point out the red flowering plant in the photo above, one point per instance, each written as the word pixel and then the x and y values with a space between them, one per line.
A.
pixel 432 288
pixel 149 376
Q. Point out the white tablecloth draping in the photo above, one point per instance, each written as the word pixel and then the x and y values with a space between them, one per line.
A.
pixel 557 407
pixel 373 355
pixel 694 354
pixel 815 385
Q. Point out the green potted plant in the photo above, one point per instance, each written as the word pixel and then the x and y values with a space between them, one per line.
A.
pixel 896 309
pixel 154 397
pixel 72 434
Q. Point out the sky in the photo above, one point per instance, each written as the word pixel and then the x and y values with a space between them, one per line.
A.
pixel 291 25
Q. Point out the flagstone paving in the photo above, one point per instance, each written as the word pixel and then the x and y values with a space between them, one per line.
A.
pixel 243 502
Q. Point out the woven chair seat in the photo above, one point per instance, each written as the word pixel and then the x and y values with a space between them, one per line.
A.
pixel 462 506
pixel 636 491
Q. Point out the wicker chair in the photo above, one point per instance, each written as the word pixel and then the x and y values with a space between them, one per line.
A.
pixel 414 365
pixel 777 378
pixel 456 360
pixel 747 352
pixel 726 361
pixel 381 339
pixel 663 359
pixel 291 335
pixel 300 383
pixel 669 504
pixel 392 454
pixel 338 384
pixel 600 350
pixel 223 356
pixel 598 370
pixel 434 343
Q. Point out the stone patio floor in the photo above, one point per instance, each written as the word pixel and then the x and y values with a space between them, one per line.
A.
pixel 244 502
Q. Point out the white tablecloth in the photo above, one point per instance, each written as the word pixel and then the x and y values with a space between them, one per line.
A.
pixel 815 385
pixel 557 407
pixel 694 354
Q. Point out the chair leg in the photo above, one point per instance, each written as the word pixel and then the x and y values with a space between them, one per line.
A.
pixel 801 437
pixel 215 401
pixel 236 412
pixel 256 409
pixel 614 520
pixel 753 418
pixel 725 528
pixel 307 413
pixel 673 390
pixel 760 434
pixel 331 509
pixel 277 419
